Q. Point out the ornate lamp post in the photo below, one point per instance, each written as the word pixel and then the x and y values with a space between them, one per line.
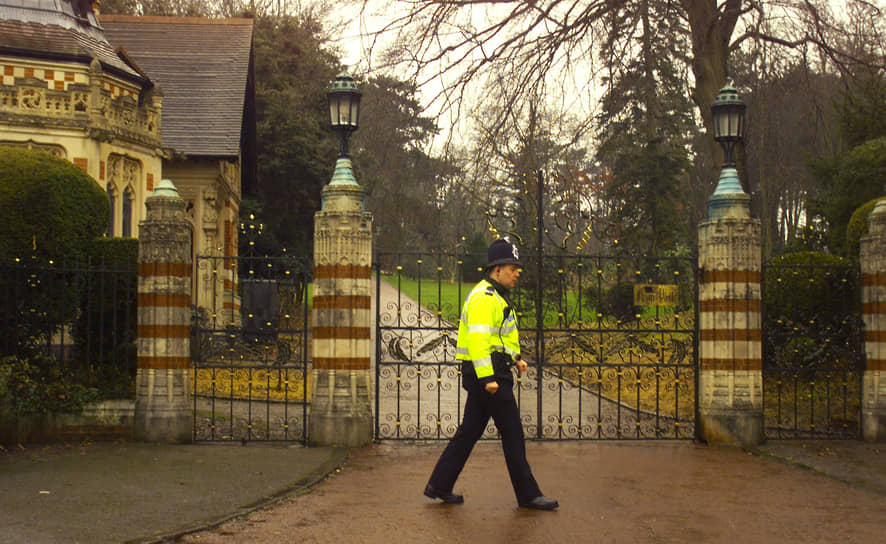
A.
pixel 730 367
pixel 728 111
pixel 341 410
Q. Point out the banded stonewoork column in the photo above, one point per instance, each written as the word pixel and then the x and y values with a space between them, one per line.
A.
pixel 341 409
pixel 730 349
pixel 162 410
pixel 873 298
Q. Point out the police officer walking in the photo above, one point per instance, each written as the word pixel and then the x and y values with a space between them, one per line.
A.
pixel 488 347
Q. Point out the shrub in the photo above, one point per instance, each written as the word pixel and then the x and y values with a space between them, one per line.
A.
pixel 106 326
pixel 39 385
pixel 618 302
pixel 51 207
pixel 858 226
pixel 851 179
pixel 52 210
pixel 811 316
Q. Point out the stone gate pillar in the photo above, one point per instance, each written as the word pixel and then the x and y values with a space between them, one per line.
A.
pixel 729 349
pixel 341 411
pixel 162 410
pixel 873 299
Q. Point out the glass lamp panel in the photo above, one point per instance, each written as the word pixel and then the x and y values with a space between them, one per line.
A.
pixel 333 110
pixel 733 124
pixel 355 111
pixel 739 123
pixel 344 110
pixel 721 124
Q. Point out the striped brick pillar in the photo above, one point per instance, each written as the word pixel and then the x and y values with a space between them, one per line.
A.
pixel 341 409
pixel 162 410
pixel 873 298
pixel 730 380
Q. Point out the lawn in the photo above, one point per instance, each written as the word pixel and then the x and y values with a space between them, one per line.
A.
pixel 448 296
pixel 436 296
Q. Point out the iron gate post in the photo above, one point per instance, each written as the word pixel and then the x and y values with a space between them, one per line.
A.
pixel 162 409
pixel 539 301
pixel 341 410
pixel 873 273
pixel 730 382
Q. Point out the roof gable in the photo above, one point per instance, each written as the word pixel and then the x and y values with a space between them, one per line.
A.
pixel 202 67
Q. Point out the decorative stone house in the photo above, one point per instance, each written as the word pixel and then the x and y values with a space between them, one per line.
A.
pixel 132 100
pixel 66 90
pixel 205 69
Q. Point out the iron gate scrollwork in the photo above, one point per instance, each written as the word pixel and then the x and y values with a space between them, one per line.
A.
pixel 250 349
pixel 611 342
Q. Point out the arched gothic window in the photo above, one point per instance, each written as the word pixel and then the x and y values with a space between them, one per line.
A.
pixel 127 173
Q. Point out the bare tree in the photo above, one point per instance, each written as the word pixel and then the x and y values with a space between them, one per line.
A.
pixel 454 43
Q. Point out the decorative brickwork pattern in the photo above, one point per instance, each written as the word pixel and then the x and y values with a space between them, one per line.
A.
pixel 341 411
pixel 162 409
pixel 730 348
pixel 58 80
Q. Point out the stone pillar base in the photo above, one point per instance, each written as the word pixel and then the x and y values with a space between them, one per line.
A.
pixel 163 412
pixel 341 414
pixel 169 426
pixel 873 406
pixel 731 427
pixel 873 426
pixel 340 431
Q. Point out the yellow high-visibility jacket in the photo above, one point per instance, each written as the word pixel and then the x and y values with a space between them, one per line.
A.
pixel 483 329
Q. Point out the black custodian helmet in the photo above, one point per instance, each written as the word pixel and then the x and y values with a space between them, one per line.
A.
pixel 502 251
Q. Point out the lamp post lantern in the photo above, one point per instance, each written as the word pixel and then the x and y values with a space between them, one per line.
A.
pixel 728 111
pixel 344 109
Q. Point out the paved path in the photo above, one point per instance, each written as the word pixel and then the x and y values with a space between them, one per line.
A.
pixel 420 396
pixel 98 493
pixel 609 492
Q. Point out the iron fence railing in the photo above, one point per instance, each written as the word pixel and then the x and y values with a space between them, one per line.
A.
pixel 81 313
pixel 250 349
pixel 813 351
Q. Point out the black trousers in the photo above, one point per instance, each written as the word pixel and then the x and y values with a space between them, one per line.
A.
pixel 479 407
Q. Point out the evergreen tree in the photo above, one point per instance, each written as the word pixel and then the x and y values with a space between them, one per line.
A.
pixel 847 180
pixel 645 127
pixel 296 151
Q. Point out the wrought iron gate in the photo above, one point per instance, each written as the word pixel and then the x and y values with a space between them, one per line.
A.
pixel 611 341
pixel 250 349
pixel 813 350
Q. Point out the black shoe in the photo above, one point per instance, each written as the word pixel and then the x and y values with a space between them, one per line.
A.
pixel 446 496
pixel 541 503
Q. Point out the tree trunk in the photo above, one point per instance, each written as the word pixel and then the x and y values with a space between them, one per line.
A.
pixel 710 31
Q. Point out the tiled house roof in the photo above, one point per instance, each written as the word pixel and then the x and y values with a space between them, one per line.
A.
pixel 43 29
pixel 204 70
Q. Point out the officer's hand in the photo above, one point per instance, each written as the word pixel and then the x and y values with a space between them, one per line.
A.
pixel 492 387
pixel 522 366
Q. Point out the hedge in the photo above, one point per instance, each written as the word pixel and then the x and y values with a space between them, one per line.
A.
pixel 51 208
